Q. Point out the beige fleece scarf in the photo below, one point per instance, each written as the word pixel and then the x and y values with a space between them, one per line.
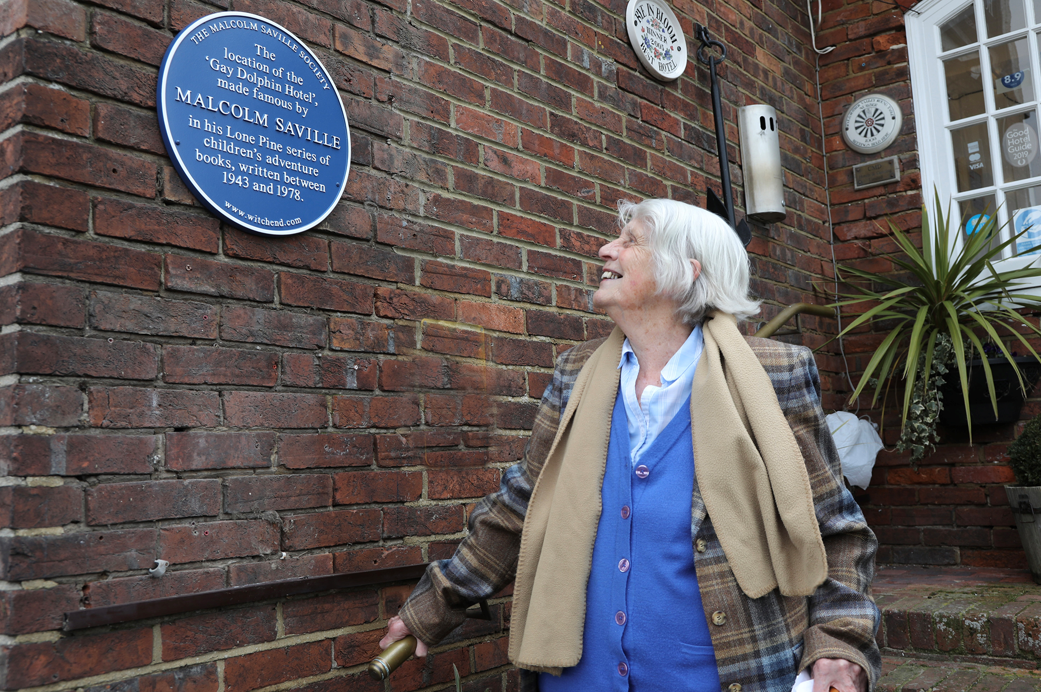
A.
pixel 759 495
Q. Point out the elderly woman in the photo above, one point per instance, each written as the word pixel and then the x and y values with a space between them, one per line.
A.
pixel 678 521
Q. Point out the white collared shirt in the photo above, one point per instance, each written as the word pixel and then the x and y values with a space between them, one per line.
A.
pixel 659 405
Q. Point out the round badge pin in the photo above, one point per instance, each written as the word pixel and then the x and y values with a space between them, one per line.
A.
pixel 253 123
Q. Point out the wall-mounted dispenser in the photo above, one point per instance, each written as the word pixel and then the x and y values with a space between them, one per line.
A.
pixel 761 163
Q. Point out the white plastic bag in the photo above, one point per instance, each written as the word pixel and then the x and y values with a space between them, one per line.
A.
pixel 858 444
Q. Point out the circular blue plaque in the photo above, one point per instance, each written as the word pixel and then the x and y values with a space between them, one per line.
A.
pixel 253 123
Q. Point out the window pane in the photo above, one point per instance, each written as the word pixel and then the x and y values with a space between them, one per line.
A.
pixel 960 30
pixel 1024 215
pixel 1011 73
pixel 1002 16
pixel 972 157
pixel 975 213
pixel 963 83
pixel 1019 144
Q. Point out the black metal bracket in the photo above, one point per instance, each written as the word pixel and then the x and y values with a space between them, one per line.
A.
pixel 725 208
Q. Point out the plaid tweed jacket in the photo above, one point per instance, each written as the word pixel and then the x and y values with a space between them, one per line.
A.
pixel 764 642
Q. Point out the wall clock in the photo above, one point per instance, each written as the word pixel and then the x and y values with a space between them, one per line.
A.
pixel 872 123
pixel 657 38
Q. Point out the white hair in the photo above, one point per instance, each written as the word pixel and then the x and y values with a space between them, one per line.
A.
pixel 678 232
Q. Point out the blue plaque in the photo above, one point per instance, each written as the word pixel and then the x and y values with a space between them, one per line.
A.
pixel 253 123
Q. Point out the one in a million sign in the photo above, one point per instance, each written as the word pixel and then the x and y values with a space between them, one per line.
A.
pixel 253 123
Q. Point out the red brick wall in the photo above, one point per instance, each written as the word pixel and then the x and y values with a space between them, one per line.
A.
pixel 255 409
pixel 951 508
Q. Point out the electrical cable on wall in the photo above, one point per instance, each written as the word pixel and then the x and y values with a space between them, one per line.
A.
pixel 829 205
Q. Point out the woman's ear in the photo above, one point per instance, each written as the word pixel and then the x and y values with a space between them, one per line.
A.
pixel 697 269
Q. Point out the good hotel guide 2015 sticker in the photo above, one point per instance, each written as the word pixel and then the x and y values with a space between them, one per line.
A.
pixel 253 123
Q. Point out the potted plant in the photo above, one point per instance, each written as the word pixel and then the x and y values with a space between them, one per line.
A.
pixel 950 293
pixel 1024 455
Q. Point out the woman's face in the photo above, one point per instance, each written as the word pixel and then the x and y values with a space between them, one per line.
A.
pixel 628 277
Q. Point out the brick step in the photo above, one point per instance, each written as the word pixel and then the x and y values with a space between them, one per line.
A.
pixel 943 674
pixel 988 617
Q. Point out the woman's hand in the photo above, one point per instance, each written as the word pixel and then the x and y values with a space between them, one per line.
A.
pixel 839 673
pixel 398 630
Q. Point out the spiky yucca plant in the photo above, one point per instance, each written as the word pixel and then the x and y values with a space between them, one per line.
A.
pixel 956 291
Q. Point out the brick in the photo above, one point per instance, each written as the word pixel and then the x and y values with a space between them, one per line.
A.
pixel 39 105
pixel 355 649
pixel 338 527
pixel 518 108
pixel 117 503
pixel 133 407
pixel 478 63
pixel 120 36
pixel 377 54
pixel 197 451
pixel 513 165
pixel 492 316
pixel 42 557
pixel 197 275
pixel 455 279
pixel 325 450
pixel 198 678
pixel 572 185
pixel 246 573
pixel 422 521
pixel 378 411
pixel 456 484
pixel 921 475
pixel 409 449
pixel 228 629
pixel 325 293
pixel 259 493
pixel 459 212
pixel 498 191
pixel 524 290
pixel 273 666
pixel 984 516
pixel 79 455
pixel 155 224
pixel 208 365
pixel 275 410
pixel 442 142
pixel 503 45
pixel 376 558
pixel 48 354
pixel 401 304
pixel 499 255
pixel 407 375
pixel 308 25
pixel 303 251
pixel 548 148
pixel 81 163
pixel 399 161
pixel 81 260
pixel 136 314
pixel 450 22
pixel 30 665
pixel 38 303
pixel 135 129
pixel 49 205
pixel 330 612
pixel 555 325
pixel 465 343
pixel 371 262
pixel 416 236
pixel 329 371
pixel 217 540
pixel 366 487
pixel 24 507
pixel 542 204
pixel 58 17
pixel 276 327
pixel 350 334
pixel 143 588
pixel 983 474
pixel 36 610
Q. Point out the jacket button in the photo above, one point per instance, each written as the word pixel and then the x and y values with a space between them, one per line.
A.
pixel 641 471
pixel 719 618
pixel 735 687
pixel 700 545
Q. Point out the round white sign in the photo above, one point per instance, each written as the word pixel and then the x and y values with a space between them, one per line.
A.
pixel 1020 145
pixel 657 39
pixel 872 123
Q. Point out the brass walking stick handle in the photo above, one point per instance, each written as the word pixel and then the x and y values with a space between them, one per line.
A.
pixel 392 657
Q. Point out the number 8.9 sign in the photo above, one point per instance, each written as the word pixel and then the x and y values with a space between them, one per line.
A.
pixel 253 123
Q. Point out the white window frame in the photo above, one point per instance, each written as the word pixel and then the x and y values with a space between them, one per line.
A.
pixel 933 141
